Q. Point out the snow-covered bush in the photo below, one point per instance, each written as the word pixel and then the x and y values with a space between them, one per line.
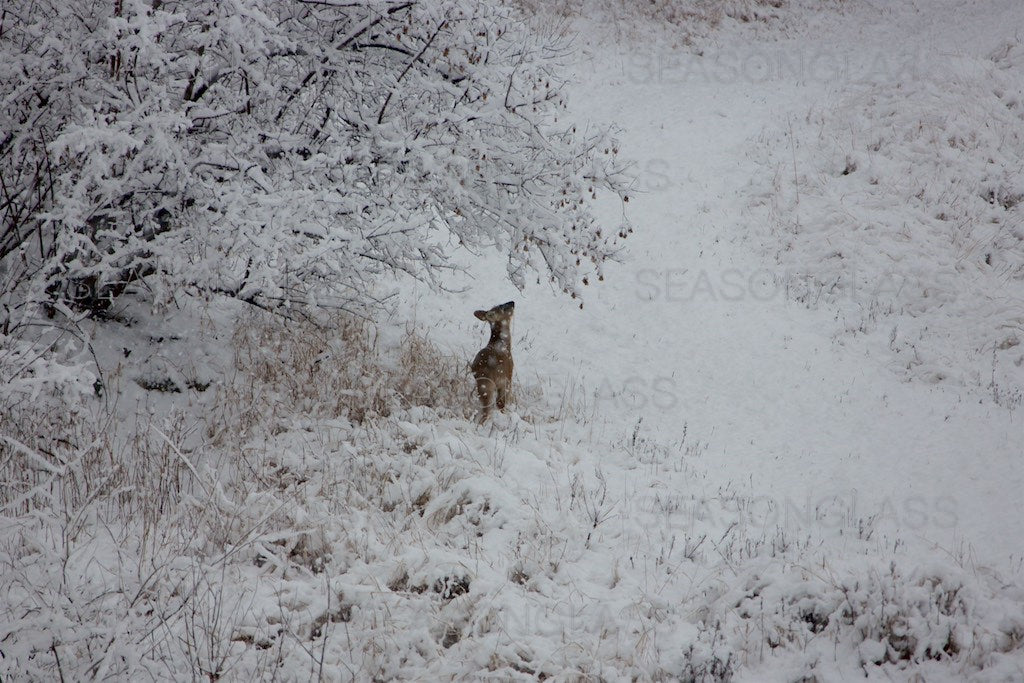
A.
pixel 887 617
pixel 48 388
pixel 287 153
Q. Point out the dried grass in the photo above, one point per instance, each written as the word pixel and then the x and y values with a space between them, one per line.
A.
pixel 337 367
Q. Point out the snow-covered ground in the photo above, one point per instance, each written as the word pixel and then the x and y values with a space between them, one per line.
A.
pixel 781 441
pixel 856 334
pixel 804 377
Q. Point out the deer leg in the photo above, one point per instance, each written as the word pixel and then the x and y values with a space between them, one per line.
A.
pixel 485 391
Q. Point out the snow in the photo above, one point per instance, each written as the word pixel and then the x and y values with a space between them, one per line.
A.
pixel 723 466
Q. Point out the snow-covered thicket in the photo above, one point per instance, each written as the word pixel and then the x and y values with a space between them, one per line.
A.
pixel 287 153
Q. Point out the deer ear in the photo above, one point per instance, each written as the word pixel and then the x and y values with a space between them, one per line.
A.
pixel 480 314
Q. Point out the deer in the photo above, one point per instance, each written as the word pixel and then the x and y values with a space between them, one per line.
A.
pixel 492 365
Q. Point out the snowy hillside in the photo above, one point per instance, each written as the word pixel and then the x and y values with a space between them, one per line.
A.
pixel 780 441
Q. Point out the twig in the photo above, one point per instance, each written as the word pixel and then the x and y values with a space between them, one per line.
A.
pixel 419 55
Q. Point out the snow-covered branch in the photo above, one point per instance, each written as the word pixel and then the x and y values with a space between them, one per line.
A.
pixel 199 145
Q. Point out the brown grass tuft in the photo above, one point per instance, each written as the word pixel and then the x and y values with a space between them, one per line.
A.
pixel 337 367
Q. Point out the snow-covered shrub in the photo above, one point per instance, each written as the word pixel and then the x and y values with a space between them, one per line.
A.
pixel 891 619
pixel 49 397
pixel 287 153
